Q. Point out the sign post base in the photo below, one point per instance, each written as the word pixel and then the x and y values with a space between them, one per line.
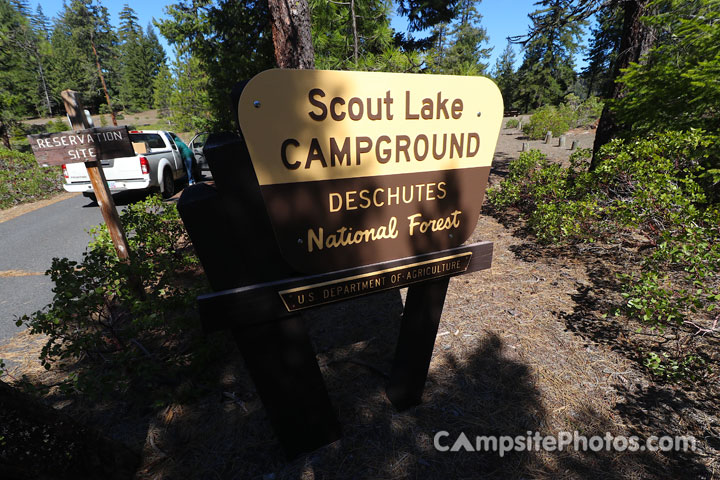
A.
pixel 420 320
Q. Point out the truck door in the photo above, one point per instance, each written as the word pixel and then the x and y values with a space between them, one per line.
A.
pixel 196 145
pixel 177 159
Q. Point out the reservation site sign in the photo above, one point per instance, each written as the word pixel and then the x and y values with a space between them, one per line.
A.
pixel 358 168
pixel 81 146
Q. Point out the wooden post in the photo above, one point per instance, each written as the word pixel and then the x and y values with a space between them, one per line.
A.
pixel 420 320
pixel 525 146
pixel 75 111
pixel 561 141
pixel 548 136
pixel 574 145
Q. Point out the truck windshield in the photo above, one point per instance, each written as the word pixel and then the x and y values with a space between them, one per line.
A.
pixel 153 140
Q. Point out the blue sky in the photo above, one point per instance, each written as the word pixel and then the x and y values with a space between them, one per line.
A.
pixel 501 18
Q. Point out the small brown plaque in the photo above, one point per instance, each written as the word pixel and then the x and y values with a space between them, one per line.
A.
pixel 358 285
pixel 81 146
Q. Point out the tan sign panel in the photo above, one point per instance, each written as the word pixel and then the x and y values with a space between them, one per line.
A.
pixel 81 146
pixel 357 167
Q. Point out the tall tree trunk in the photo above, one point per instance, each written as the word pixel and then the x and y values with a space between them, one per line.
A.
pixel 291 34
pixel 354 29
pixel 636 41
pixel 41 73
pixel 45 88
pixel 102 80
pixel 5 135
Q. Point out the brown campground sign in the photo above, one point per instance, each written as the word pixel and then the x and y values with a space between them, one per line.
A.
pixel 357 168
pixel 81 146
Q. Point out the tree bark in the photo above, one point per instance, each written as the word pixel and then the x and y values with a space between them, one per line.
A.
pixel 637 40
pixel 5 135
pixel 355 32
pixel 291 34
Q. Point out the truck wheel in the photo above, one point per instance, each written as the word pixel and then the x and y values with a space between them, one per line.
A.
pixel 168 183
pixel 91 196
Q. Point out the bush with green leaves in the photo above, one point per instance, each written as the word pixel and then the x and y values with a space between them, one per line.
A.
pixel 512 123
pixel 23 180
pixel 559 119
pixel 549 118
pixel 660 191
pixel 118 335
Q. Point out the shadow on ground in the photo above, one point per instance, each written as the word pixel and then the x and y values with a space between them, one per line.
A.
pixel 478 392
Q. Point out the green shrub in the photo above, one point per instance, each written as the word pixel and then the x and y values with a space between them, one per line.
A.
pixel 588 112
pixel 658 189
pixel 557 120
pixel 119 336
pixel 57 125
pixel 23 180
pixel 512 123
pixel 560 119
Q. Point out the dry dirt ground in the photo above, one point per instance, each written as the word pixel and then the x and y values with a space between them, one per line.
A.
pixel 147 117
pixel 522 348
pixel 139 120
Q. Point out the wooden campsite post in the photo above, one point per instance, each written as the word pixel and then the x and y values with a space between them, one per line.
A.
pixel 75 111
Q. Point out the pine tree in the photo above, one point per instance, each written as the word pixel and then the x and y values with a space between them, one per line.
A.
pixel 604 44
pixel 424 15
pixel 189 100
pixel 16 77
pixel 22 7
pixel 637 40
pixel 163 87
pixel 128 23
pixel 677 86
pixel 142 56
pixel 228 40
pixel 460 44
pixel 154 52
pixel 547 72
pixel 32 44
pixel 40 23
pixel 79 27
pixel 356 35
pixel 344 32
pixel 505 76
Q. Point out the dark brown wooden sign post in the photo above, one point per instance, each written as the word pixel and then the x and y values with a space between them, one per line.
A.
pixel 89 146
pixel 344 184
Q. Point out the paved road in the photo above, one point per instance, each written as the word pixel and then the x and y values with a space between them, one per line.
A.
pixel 27 245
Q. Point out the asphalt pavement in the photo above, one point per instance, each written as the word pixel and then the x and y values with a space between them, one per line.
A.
pixel 28 244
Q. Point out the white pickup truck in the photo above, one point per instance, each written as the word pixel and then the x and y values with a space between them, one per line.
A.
pixel 158 168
